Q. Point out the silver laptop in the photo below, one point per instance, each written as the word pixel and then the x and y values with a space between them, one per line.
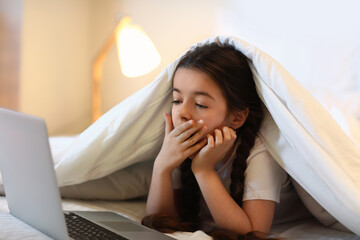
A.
pixel 31 189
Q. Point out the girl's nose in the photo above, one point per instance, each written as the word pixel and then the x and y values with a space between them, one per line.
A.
pixel 184 113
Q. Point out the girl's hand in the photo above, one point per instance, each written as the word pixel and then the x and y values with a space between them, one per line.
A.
pixel 180 143
pixel 215 150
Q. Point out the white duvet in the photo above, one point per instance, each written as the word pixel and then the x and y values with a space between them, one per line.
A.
pixel 299 132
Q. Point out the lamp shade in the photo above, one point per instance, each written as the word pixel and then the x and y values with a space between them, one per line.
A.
pixel 137 53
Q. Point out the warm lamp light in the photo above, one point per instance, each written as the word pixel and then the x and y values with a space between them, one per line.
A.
pixel 137 56
pixel 137 53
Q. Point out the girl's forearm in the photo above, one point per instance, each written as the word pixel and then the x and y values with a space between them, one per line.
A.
pixel 161 193
pixel 226 212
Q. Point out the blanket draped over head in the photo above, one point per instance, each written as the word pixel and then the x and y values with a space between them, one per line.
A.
pixel 299 133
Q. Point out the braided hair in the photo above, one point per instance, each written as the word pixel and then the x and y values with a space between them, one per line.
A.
pixel 230 70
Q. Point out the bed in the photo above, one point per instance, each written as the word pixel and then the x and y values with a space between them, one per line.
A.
pixel 326 164
pixel 12 228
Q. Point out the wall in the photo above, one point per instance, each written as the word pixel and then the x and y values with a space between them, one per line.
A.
pixel 61 38
pixel 55 63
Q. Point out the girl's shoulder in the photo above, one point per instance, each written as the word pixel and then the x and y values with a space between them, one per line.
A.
pixel 259 147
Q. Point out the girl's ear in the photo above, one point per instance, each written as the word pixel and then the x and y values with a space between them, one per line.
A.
pixel 238 118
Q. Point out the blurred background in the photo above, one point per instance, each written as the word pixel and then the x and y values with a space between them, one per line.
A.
pixel 47 47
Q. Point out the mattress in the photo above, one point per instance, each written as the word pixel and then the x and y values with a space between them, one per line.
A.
pixel 12 228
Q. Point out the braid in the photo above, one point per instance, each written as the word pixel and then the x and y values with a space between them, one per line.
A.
pixel 247 135
pixel 189 193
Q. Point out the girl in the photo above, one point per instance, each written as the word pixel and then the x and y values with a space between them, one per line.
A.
pixel 212 168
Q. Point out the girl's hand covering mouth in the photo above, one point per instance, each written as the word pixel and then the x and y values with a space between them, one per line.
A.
pixel 180 142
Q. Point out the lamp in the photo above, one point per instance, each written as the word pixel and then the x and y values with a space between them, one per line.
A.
pixel 137 56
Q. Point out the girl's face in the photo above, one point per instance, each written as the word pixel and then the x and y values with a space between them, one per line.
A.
pixel 196 96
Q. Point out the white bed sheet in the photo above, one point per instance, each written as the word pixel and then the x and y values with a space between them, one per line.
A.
pixel 11 228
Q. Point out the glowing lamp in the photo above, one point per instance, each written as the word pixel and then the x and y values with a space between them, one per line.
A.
pixel 137 56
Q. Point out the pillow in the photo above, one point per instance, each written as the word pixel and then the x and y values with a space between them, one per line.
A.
pixel 128 183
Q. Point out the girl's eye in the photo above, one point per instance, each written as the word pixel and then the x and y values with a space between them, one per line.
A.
pixel 175 102
pixel 201 106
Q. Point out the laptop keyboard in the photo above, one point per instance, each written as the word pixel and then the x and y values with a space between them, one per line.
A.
pixel 80 228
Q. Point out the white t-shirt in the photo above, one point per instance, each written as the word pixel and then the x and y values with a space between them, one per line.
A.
pixel 264 177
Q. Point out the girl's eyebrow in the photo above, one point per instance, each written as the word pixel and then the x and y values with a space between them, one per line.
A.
pixel 196 93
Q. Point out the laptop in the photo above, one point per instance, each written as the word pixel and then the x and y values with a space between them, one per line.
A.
pixel 32 192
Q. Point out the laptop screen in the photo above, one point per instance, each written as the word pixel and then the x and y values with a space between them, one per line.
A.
pixel 28 173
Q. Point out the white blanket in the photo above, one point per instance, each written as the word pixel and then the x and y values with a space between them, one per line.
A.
pixel 300 134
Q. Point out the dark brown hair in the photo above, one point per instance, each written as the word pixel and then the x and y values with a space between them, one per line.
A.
pixel 230 70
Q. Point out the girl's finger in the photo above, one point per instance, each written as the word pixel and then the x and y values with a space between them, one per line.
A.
pixel 194 138
pixel 210 140
pixel 233 133
pixel 218 136
pixel 183 127
pixel 227 133
pixel 194 133
pixel 168 123
pixel 196 147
